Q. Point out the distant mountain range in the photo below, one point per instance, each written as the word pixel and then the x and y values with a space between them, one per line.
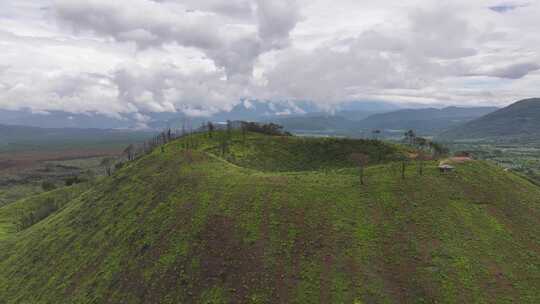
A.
pixel 357 119
pixel 251 110
pixel 317 124
pixel 427 122
pixel 424 121
pixel 519 121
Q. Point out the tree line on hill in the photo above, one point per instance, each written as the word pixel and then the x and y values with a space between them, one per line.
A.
pixel 133 151
pixel 425 150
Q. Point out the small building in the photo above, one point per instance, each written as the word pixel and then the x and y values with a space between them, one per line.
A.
pixel 444 168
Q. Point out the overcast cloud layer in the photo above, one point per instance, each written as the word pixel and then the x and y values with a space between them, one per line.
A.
pixel 201 56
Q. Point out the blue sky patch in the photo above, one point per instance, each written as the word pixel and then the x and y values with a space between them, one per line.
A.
pixel 505 8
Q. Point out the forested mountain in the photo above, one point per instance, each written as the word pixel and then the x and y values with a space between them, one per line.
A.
pixel 519 121
pixel 430 121
pixel 424 121
pixel 354 118
pixel 322 123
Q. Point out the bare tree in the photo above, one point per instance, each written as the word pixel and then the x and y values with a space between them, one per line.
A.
pixel 421 159
pixel 410 137
pixel 421 142
pixel 438 149
pixel 130 152
pixel 229 128
pixel 163 137
pixel 361 160
pixel 376 134
pixel 107 163
pixel 401 160
pixel 224 144
pixel 169 135
pixel 210 129
pixel 244 131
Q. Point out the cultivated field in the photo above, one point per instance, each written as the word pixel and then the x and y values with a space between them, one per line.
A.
pixel 23 173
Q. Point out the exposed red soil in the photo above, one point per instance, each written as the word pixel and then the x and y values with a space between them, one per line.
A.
pixel 226 260
pixel 326 278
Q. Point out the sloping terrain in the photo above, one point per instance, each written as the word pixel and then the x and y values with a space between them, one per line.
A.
pixel 189 226
pixel 519 121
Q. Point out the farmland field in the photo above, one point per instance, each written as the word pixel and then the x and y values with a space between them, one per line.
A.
pixel 521 158
pixel 23 173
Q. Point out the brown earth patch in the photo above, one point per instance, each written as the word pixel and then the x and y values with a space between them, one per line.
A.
pixel 499 286
pixel 225 260
pixel 20 160
pixel 399 273
pixel 456 160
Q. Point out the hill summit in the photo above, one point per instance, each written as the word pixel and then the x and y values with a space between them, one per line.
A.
pixel 276 219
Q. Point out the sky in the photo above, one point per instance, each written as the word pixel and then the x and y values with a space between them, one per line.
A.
pixel 202 56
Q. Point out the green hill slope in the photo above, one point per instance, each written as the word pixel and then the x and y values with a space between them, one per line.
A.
pixel 187 226
pixel 519 121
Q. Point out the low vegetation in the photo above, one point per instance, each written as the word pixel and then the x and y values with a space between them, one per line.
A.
pixel 32 176
pixel 278 219
pixel 520 158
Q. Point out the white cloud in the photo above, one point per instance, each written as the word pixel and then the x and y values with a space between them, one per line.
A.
pixel 202 56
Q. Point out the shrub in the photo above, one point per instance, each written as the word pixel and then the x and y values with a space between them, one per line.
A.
pixel 268 129
pixel 74 180
pixel 118 166
pixel 48 186
pixel 46 209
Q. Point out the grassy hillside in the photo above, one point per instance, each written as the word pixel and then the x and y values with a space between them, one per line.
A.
pixel 18 216
pixel 519 121
pixel 188 226
pixel 296 153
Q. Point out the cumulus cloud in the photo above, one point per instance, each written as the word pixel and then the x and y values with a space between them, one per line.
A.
pixel 276 20
pixel 144 22
pixel 166 88
pixel 131 57
pixel 205 26
pixel 408 57
pixel 513 70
